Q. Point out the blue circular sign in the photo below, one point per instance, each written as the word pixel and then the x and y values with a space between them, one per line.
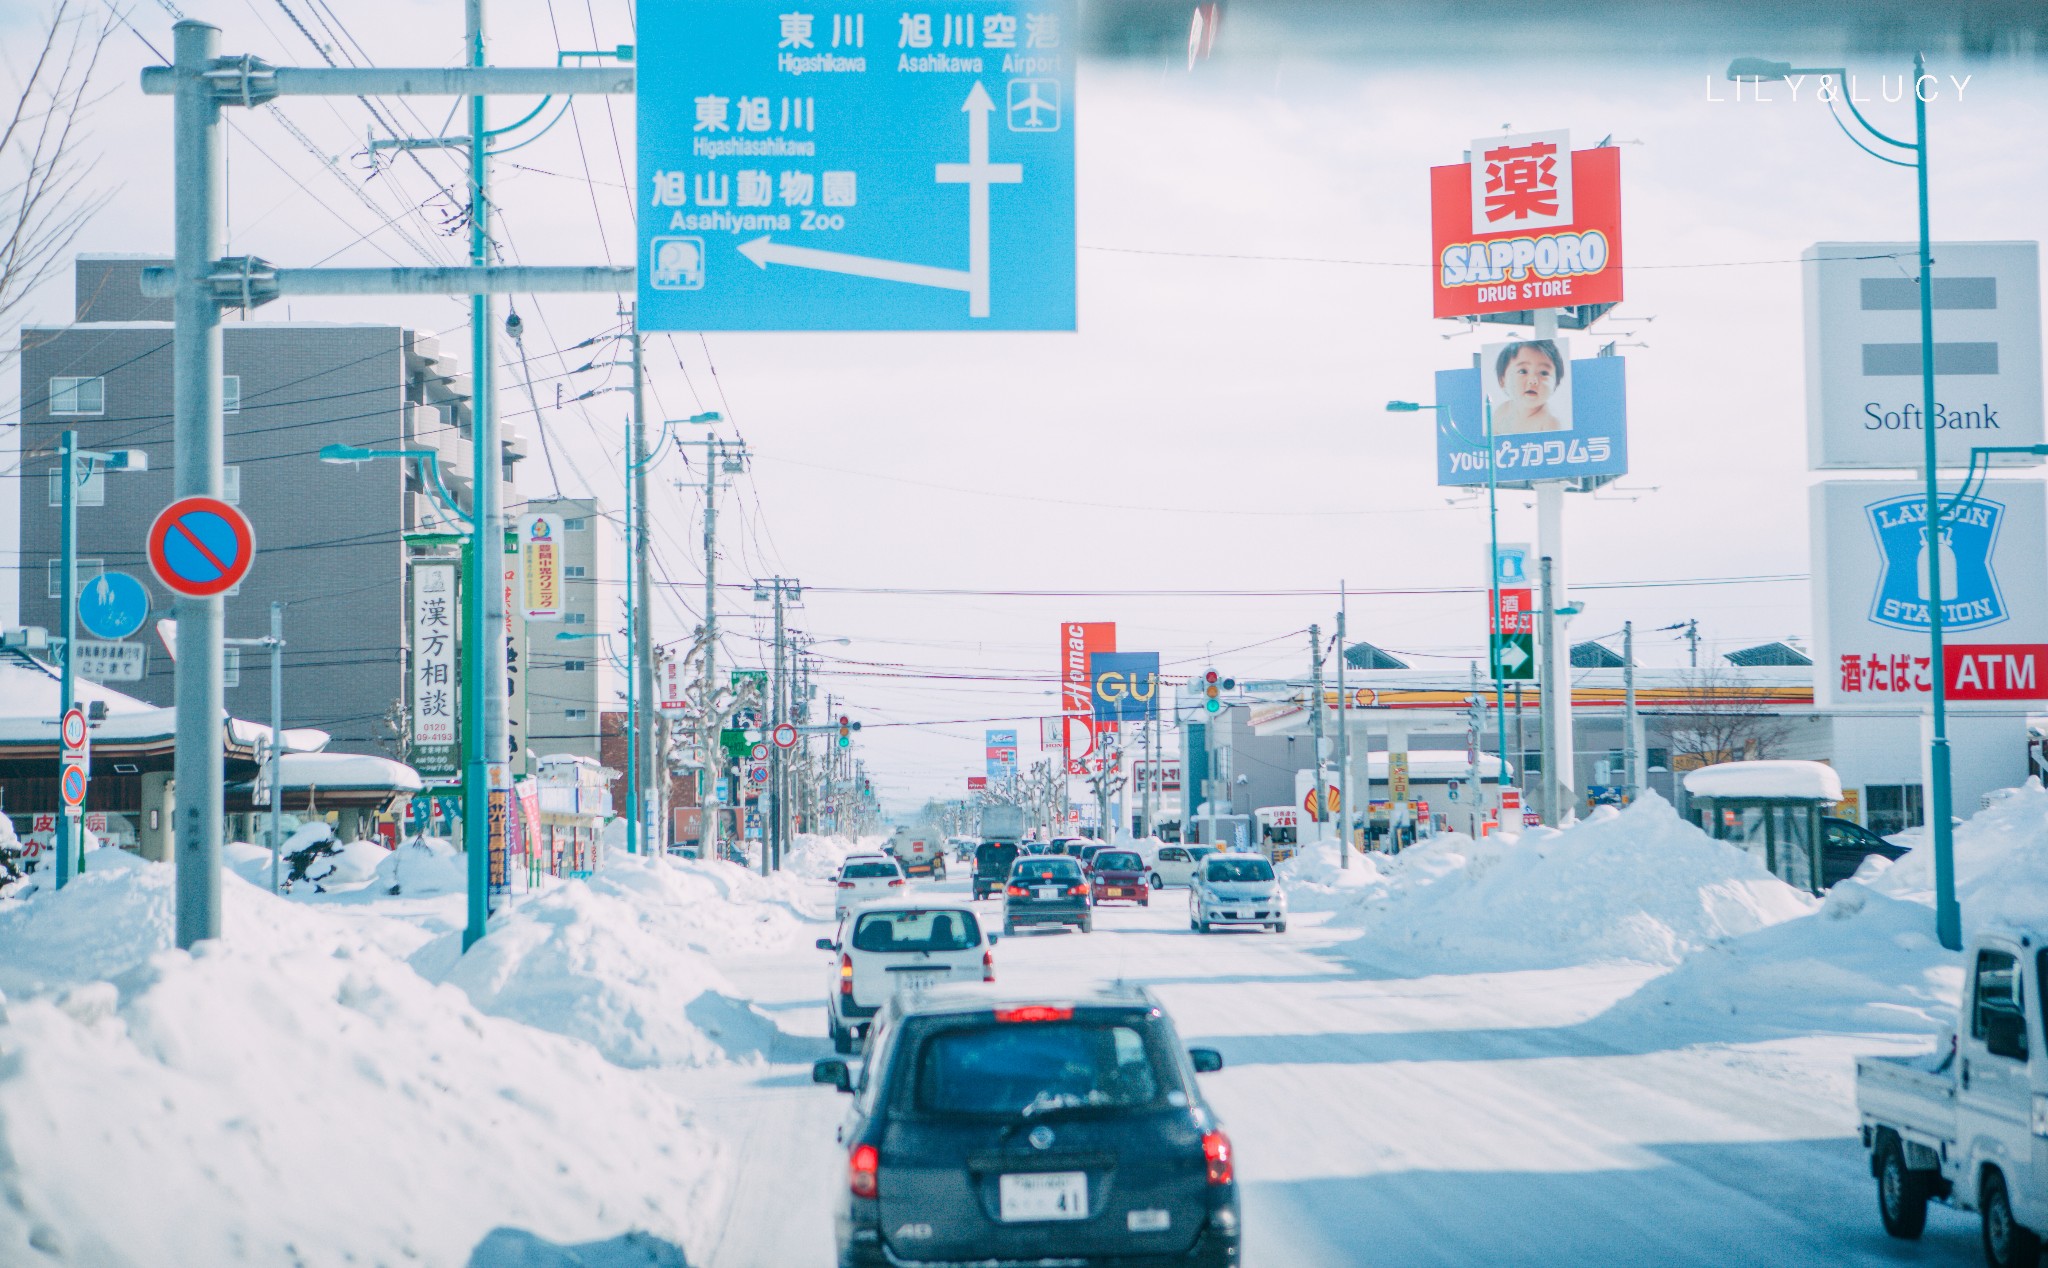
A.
pixel 113 605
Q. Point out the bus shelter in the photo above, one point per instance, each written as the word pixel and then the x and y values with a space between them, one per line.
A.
pixel 1770 808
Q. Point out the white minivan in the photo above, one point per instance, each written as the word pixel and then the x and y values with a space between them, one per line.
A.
pixel 1236 889
pixel 866 878
pixel 1176 864
pixel 903 947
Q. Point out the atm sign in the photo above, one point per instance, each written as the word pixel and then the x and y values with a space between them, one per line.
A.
pixel 1995 671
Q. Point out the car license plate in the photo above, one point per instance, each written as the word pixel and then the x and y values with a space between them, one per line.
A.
pixel 1044 1195
pixel 1112 892
pixel 1044 892
pixel 911 983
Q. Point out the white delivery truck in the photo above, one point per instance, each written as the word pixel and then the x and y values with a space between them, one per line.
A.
pixel 1969 1125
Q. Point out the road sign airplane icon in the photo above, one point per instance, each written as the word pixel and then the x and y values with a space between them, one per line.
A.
pixel 1034 105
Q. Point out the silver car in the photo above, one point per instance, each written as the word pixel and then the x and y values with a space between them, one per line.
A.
pixel 1236 889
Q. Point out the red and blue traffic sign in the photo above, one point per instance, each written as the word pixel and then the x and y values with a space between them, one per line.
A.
pixel 73 783
pixel 200 546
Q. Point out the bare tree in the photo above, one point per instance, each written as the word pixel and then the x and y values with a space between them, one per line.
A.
pixel 1728 719
pixel 45 195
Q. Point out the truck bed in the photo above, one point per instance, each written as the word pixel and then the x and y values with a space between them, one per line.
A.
pixel 1915 1095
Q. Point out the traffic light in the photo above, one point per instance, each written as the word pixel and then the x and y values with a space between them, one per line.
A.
pixel 1211 690
pixel 845 731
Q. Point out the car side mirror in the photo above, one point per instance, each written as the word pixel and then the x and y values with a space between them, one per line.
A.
pixel 994 938
pixel 1207 1060
pixel 833 1071
pixel 826 944
pixel 2005 1034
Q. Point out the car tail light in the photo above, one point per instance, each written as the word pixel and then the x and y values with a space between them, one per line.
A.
pixel 1216 1151
pixel 1077 889
pixel 846 884
pixel 861 1169
pixel 1014 891
pixel 1044 1012
pixel 988 966
pixel 845 974
pixel 898 881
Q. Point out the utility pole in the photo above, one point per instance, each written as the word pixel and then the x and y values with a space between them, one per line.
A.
pixel 717 454
pixel 1315 697
pixel 273 758
pixel 1344 807
pixel 775 828
pixel 68 855
pixel 1692 638
pixel 1547 705
pixel 643 833
pixel 1631 751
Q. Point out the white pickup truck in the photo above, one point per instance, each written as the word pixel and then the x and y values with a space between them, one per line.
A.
pixel 1970 1125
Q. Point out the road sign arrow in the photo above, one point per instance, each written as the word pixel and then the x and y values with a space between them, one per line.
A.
pixel 1512 657
pixel 764 251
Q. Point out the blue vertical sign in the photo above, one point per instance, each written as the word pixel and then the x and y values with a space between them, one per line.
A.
pixel 853 166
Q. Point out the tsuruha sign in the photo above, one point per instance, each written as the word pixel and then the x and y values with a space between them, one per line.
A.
pixel 1873 566
pixel 540 538
pixel 1526 223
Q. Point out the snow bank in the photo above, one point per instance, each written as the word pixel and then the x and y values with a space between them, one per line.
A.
pixel 345 1109
pixel 623 960
pixel 1639 884
pixel 818 857
pixel 1868 959
pixel 420 867
pixel 1316 882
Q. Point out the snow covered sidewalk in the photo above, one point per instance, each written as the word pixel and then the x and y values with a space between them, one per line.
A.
pixel 333 1082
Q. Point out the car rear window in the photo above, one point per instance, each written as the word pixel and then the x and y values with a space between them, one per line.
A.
pixel 941 929
pixel 1239 869
pixel 1117 861
pixel 869 871
pixel 1006 1068
pixel 1198 852
pixel 1046 869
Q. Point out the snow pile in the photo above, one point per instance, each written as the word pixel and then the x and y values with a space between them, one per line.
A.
pixel 1315 880
pixel 420 867
pixel 622 961
pixel 1639 884
pixel 1868 959
pixel 345 1109
pixel 818 857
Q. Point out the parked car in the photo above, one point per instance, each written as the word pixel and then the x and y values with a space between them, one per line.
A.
pixel 1969 1126
pixel 1046 890
pixel 1845 847
pixel 1236 889
pixel 1119 876
pixel 1177 864
pixel 886 949
pixel 1015 1131
pixel 865 878
pixel 992 860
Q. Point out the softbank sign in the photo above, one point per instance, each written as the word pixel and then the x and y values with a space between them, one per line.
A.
pixel 1078 641
pixel 1864 396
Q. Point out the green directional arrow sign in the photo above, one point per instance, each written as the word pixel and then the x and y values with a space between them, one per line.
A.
pixel 1514 657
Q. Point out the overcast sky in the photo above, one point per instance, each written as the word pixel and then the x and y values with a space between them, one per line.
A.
pixel 1217 421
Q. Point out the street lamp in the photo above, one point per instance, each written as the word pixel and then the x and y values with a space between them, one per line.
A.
pixel 429 461
pixel 1948 914
pixel 70 852
pixel 1500 707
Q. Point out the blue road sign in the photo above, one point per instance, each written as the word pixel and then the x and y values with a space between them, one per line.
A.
pixel 856 166
pixel 113 605
pixel 73 785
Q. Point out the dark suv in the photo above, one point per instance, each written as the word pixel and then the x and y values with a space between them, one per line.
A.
pixel 1046 889
pixel 998 1132
pixel 992 861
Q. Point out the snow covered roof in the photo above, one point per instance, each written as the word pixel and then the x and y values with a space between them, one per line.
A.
pixel 347 770
pixel 1775 780
pixel 31 689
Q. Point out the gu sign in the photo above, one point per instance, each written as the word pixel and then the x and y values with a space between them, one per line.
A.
pixel 1125 686
pixel 1864 397
pixel 1872 595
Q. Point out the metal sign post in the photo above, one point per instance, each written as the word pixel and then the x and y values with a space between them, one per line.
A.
pixel 201 284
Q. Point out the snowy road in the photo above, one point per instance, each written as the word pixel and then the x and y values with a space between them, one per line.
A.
pixel 1386 1116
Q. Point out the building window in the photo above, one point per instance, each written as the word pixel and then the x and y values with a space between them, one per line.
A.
pixel 87 570
pixel 575 666
pixel 230 666
pixel 231 485
pixel 572 618
pixel 1890 808
pixel 230 393
pixel 576 523
pixel 572 570
pixel 576 715
pixel 90 491
pixel 78 396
